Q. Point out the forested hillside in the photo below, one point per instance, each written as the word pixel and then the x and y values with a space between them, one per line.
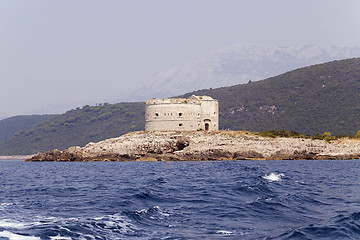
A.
pixel 12 125
pixel 316 99
pixel 77 127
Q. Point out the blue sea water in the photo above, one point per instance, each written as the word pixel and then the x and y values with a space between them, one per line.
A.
pixel 180 200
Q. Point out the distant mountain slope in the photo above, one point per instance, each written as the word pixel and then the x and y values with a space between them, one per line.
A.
pixel 238 64
pixel 77 127
pixel 12 125
pixel 324 97
pixel 310 100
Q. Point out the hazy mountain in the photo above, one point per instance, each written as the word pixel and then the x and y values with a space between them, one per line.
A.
pixel 237 64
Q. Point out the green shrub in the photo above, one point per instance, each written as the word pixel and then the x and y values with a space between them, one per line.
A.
pixel 358 134
pixel 326 135
pixel 267 134
pixel 294 134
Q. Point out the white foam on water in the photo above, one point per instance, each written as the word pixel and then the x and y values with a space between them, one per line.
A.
pixel 224 232
pixel 58 237
pixel 6 204
pixel 3 206
pixel 11 224
pixel 109 224
pixel 145 211
pixel 13 236
pixel 142 211
pixel 121 222
pixel 86 237
pixel 156 208
pixel 274 177
pixel 161 212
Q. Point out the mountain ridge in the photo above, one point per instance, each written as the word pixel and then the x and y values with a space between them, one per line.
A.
pixel 236 64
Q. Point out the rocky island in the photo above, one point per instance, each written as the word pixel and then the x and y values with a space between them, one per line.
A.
pixel 204 145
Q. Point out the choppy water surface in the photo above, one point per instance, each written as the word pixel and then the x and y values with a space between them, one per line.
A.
pixel 180 200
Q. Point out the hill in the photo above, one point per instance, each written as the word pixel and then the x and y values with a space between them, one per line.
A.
pixel 315 99
pixel 310 100
pixel 12 125
pixel 77 127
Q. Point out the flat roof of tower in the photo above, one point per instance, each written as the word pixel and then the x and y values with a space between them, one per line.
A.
pixel 208 98
pixel 193 99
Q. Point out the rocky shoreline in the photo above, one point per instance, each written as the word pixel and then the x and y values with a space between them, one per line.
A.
pixel 202 146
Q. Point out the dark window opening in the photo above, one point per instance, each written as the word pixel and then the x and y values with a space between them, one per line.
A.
pixel 180 124
pixel 180 114
pixel 207 127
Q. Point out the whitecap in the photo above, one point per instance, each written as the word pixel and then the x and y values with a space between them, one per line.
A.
pixel 142 211
pixel 274 177
pixel 153 210
pixel 161 212
pixel 3 206
pixel 13 236
pixel 58 237
pixel 119 221
pixel 224 232
pixel 86 237
pixel 6 204
pixel 11 224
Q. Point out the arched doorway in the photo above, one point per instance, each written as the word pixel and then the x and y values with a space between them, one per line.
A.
pixel 207 124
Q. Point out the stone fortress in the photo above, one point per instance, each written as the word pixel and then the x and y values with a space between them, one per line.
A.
pixel 182 114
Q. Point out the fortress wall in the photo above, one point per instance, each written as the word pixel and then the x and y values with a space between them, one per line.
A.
pixel 180 114
pixel 173 116
pixel 210 114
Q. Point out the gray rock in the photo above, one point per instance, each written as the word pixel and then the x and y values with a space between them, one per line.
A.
pixel 199 145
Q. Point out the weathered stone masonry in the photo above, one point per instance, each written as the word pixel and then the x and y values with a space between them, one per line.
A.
pixel 182 114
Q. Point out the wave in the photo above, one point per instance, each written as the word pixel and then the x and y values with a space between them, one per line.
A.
pixel 4 206
pixel 6 223
pixel 102 227
pixel 224 232
pixel 152 211
pixel 273 177
pixel 342 227
pixel 181 200
pixel 13 236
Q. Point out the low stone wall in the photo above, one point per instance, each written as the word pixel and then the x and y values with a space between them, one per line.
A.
pixel 216 145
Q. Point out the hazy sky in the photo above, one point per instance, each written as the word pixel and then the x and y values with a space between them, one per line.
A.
pixel 61 53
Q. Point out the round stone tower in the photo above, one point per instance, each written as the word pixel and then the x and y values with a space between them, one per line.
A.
pixel 182 114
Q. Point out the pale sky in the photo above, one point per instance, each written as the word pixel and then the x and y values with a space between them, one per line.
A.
pixel 59 54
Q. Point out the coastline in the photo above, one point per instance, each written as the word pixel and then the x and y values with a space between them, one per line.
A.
pixel 203 146
pixel 17 157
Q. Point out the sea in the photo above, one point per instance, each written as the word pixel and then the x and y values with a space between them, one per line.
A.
pixel 180 200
